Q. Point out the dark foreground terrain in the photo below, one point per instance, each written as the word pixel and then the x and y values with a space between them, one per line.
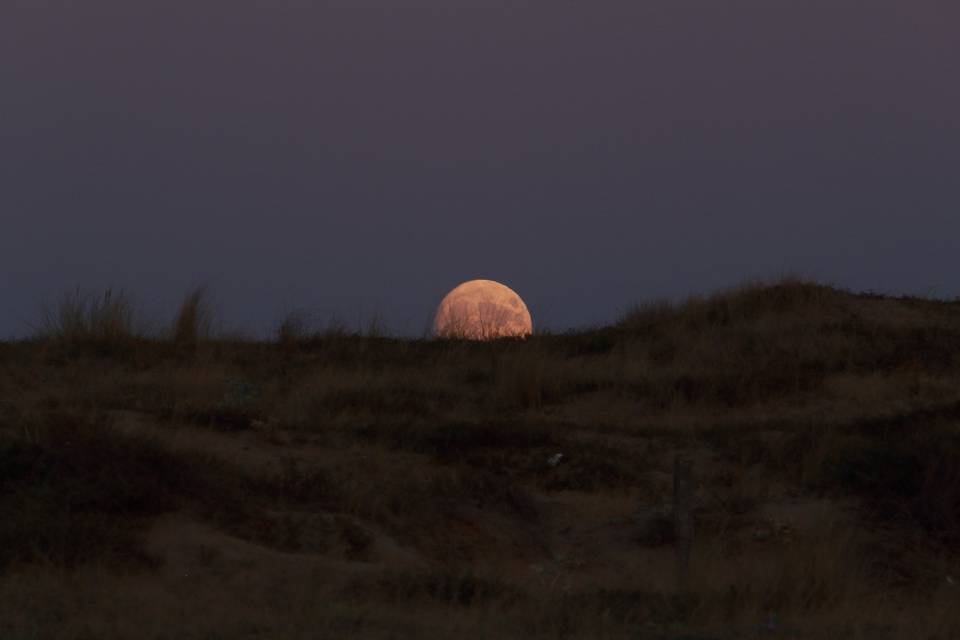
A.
pixel 332 485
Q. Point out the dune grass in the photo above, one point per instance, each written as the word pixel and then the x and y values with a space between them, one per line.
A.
pixel 329 483
pixel 82 321
pixel 192 322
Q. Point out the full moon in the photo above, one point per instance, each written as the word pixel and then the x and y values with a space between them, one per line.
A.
pixel 482 310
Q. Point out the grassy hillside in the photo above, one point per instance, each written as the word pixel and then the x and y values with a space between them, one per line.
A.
pixel 333 485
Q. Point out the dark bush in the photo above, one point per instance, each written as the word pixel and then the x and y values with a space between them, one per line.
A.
pixel 912 480
pixel 83 491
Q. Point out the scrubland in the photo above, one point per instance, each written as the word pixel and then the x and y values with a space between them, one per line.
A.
pixel 331 485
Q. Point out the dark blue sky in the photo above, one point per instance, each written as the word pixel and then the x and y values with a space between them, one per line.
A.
pixel 366 159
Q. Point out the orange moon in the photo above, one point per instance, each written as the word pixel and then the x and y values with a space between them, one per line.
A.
pixel 482 310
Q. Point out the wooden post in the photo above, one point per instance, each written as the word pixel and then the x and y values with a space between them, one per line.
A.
pixel 683 489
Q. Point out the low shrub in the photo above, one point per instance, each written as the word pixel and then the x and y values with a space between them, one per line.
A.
pixel 909 480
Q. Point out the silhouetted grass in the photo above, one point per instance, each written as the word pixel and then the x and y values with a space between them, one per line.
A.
pixel 193 320
pixel 292 329
pixel 88 324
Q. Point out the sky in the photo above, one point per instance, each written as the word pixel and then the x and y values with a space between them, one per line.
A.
pixel 360 159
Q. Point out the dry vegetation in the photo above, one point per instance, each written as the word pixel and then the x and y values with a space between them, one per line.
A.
pixel 337 485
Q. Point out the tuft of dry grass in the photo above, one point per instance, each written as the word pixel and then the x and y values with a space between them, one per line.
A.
pixel 79 320
pixel 193 320
pixel 292 329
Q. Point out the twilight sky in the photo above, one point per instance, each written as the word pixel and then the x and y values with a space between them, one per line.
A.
pixel 359 157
